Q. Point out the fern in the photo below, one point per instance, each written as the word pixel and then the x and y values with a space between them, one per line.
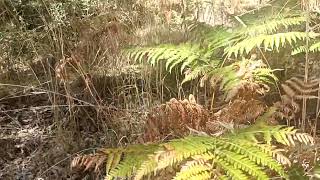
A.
pixel 286 136
pixel 272 25
pixel 313 48
pixel 241 155
pixel 254 153
pixel 132 158
pixel 200 63
pixel 192 169
pixel 203 57
pixel 187 55
pixel 200 57
pixel 218 37
pixel 244 73
pixel 268 42
pixel 233 77
pixel 243 40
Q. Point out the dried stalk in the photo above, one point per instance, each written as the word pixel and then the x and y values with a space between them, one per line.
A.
pixel 306 68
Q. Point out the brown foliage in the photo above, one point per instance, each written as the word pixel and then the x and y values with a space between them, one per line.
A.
pixel 88 162
pixel 175 118
pixel 246 90
pixel 295 89
pixel 241 111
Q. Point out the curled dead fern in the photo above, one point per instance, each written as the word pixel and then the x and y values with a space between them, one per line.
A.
pixel 175 118
pixel 241 111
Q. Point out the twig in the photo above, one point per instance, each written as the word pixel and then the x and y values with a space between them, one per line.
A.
pixel 48 91
pixel 306 67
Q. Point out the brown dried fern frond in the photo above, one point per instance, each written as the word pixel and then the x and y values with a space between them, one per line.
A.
pixel 88 162
pixel 247 90
pixel 294 90
pixel 175 118
pixel 241 111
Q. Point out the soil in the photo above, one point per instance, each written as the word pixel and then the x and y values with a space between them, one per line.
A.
pixel 30 148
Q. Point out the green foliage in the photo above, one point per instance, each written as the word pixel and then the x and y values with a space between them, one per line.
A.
pixel 202 62
pixel 186 55
pixel 272 25
pixel 132 156
pixel 250 73
pixel 204 56
pixel 240 155
pixel 268 42
pixel 245 71
pixel 316 171
pixel 219 37
pixel 265 35
pixel 297 172
pixel 313 48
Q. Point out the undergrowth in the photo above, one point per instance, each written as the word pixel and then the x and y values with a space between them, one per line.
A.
pixel 97 68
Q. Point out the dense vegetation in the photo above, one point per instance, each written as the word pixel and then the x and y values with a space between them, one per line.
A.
pixel 161 89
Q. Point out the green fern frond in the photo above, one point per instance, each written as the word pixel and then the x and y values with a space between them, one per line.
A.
pixel 264 75
pixel 313 48
pixel 281 134
pixel 193 169
pixel 244 154
pixel 199 71
pixel 299 50
pixel 272 25
pixel 230 170
pixel 242 162
pixel 253 153
pixel 205 175
pixel 186 54
pixel 195 73
pixel 218 37
pixel 175 152
pixel 133 156
pixel 271 42
pixel 229 77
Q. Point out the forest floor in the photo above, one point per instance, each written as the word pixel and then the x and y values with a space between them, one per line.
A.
pixel 28 143
pixel 30 148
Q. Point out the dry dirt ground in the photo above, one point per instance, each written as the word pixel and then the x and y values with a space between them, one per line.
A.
pixel 29 146
pixel 27 142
